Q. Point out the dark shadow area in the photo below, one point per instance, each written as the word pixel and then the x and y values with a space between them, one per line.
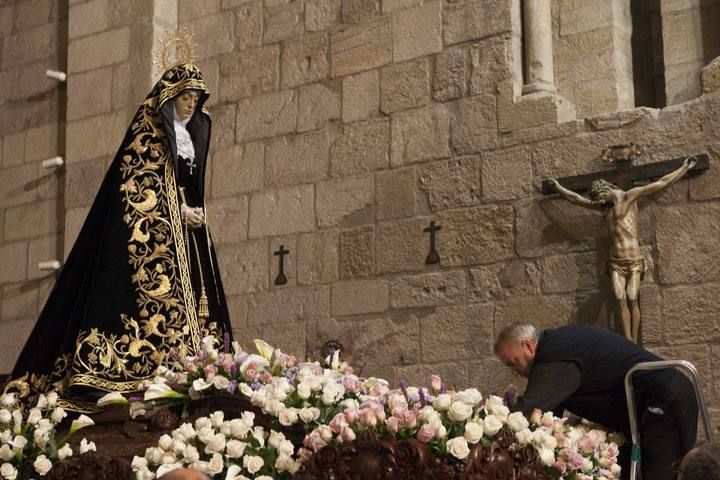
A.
pixel 647 54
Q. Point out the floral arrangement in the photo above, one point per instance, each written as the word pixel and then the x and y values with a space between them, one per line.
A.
pixel 28 443
pixel 335 405
pixel 232 449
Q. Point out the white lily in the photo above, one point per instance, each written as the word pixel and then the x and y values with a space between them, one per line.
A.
pixel 264 349
pixel 161 390
pixel 81 422
pixel 114 398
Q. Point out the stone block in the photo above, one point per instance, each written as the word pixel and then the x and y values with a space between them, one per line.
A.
pixel 710 76
pixel 683 31
pixel 359 297
pixel 464 21
pixel 321 14
pixel 317 105
pixel 382 342
pixel 28 80
pixel 88 138
pixel 18 185
pixel 280 212
pixel 189 10
pixel 476 235
pixel 578 16
pixel 290 306
pixel 266 116
pixel 29 45
pixel 544 311
pixel 248 25
pixel 490 376
pixel 305 60
pixel 290 261
pixel 229 4
pixel 87 18
pixel 228 219
pixel 507 175
pixel 357 252
pixel 298 159
pixel 47 184
pixel 651 327
pixel 504 280
pixel 389 6
pixel 429 290
pixel 13 335
pixel 534 110
pixel 359 11
pixel 698 355
pixel 451 183
pixel 238 310
pixel 89 93
pixel 421 134
pixel 396 193
pixel 417 31
pixel 249 72
pixel 696 229
pixel 457 333
pixel 13 146
pixel 290 340
pixel 17 116
pixel 7 20
pixel 214 34
pixel 557 226
pixel 283 20
pixel 361 47
pixel 318 257
pixel 360 96
pixel 403 246
pixel 210 69
pixel 707 185
pixel 13 257
pixel 244 266
pixel 82 181
pixel 19 301
pixel 405 85
pixel 363 147
pixel 474 124
pixel 41 142
pixel 345 202
pixel 238 169
pixel 592 97
pixel 449 81
pixel 223 127
pixel 99 50
pixel 569 273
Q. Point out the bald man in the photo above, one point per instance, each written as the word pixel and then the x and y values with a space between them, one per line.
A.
pixel 184 474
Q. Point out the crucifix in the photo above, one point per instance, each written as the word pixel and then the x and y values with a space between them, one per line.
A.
pixel 616 194
pixel 191 165
pixel 433 256
pixel 281 279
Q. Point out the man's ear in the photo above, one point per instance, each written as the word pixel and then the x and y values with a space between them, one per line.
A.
pixel 529 346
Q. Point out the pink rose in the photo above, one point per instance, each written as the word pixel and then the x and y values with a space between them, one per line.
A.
pixel 435 382
pixel 426 433
pixel 392 424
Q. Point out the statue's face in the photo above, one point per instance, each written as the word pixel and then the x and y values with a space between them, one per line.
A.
pixel 185 104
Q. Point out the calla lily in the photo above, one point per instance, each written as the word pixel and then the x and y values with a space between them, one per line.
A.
pixel 114 398
pixel 81 422
pixel 233 472
pixel 161 390
pixel 264 349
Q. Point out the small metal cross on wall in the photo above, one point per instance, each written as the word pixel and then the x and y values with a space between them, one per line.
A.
pixel 432 256
pixel 281 279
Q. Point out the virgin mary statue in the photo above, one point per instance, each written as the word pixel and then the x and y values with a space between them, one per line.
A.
pixel 141 286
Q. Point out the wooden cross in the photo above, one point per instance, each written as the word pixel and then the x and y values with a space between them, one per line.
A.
pixel 625 176
pixel 281 279
pixel 433 256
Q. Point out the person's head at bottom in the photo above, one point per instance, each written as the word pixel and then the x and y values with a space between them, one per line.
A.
pixel 184 474
pixel 701 463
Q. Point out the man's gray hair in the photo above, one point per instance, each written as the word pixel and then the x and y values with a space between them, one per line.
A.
pixel 515 334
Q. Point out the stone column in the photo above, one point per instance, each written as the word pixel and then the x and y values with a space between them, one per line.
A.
pixel 537 33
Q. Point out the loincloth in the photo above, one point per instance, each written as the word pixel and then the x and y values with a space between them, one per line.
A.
pixel 628 266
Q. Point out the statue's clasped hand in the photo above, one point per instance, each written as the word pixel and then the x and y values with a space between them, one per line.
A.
pixel 193 217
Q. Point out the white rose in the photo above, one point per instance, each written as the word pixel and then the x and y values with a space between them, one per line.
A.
pixel 163 469
pixel 473 432
pixel 288 417
pixel 57 415
pixel 547 456
pixel 286 448
pixel 460 411
pixel 217 418
pixel 34 416
pixel 216 443
pixel 192 454
pixel 587 465
pixel 304 391
pixel 7 399
pixel 275 439
pixel 517 421
pixel 471 396
pixel 332 393
pixel 285 463
pixel 6 436
pixel 491 425
pixel 65 452
pixel 165 442
pixel 52 399
pixel 246 390
pixel 235 448
pixel 458 447
pixel 138 463
pixel 6 453
pixel 8 472
pixel 248 418
pixel 442 402
pixel 215 465
pixel 220 382
pixel 253 463
pixel 309 414
pixel 185 432
pixel 42 465
pixel 41 437
pixel 524 436
pixel 86 446
pixel 5 416
pixel 493 402
pixel 153 455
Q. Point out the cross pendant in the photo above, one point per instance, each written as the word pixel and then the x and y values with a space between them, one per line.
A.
pixel 191 164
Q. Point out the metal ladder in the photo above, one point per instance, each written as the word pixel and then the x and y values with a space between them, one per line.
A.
pixel 632 410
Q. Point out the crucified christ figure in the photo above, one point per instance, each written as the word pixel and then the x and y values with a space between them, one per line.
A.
pixel 626 263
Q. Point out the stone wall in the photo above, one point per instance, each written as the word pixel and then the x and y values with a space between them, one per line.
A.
pixel 342 128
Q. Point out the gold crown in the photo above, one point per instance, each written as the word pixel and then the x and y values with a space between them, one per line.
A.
pixel 177 48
